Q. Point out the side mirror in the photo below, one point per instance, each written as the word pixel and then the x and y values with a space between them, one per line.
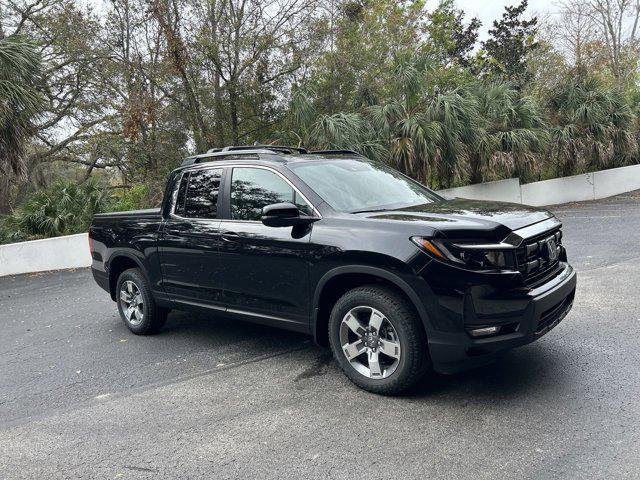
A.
pixel 284 215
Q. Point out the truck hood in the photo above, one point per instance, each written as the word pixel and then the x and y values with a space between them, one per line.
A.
pixel 460 213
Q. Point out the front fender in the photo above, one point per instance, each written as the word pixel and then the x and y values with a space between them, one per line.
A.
pixel 414 287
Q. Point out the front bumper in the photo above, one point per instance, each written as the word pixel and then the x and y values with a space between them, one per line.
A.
pixel 524 315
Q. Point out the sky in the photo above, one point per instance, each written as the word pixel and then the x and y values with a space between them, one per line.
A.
pixel 489 10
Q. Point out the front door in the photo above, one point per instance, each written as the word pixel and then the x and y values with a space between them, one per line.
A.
pixel 266 269
pixel 189 242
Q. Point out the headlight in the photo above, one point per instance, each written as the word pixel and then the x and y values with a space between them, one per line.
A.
pixel 472 255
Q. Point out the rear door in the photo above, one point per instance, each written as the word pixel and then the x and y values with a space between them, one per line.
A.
pixel 266 269
pixel 190 239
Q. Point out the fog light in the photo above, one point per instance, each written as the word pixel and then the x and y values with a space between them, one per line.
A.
pixel 483 332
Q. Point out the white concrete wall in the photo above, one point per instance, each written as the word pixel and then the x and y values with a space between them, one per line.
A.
pixel 558 190
pixel 588 186
pixel 502 190
pixel 70 251
pixel 616 181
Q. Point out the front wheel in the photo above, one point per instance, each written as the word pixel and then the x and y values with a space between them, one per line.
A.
pixel 136 305
pixel 378 340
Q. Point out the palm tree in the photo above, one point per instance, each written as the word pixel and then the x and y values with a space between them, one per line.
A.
pixel 305 126
pixel 20 100
pixel 428 134
pixel 592 127
pixel 61 209
pixel 425 133
pixel 20 104
pixel 513 132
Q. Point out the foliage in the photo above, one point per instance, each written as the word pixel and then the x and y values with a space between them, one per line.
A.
pixel 450 39
pixel 64 208
pixel 592 127
pixel 511 40
pixel 513 132
pixel 134 198
pixel 429 134
pixel 20 100
pixel 363 41
pixel 119 95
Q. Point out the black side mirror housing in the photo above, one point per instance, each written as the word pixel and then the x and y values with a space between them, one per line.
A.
pixel 284 215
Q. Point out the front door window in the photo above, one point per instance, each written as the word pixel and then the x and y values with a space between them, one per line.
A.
pixel 255 188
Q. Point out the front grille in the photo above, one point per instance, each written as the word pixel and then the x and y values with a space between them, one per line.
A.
pixel 535 257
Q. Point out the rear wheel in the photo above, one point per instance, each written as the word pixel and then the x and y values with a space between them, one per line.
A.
pixel 136 305
pixel 378 340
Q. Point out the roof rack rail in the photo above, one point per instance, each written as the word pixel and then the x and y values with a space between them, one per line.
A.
pixel 275 148
pixel 325 152
pixel 218 154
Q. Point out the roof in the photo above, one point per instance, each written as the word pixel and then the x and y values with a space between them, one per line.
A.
pixel 273 153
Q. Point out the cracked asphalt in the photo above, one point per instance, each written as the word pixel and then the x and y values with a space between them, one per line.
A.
pixel 80 397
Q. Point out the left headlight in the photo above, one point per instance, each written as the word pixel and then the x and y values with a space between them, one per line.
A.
pixel 468 254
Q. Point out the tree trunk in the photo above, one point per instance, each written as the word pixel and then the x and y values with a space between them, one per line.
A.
pixel 233 107
pixel 1 30
pixel 179 57
pixel 197 121
pixel 219 139
pixel 217 91
pixel 5 206
pixel 476 168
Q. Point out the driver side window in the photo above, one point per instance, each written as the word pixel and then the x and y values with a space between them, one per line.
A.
pixel 255 188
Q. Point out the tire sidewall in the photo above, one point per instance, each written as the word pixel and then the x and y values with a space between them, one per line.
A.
pixel 367 297
pixel 136 277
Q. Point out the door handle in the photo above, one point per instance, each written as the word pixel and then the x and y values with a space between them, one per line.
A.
pixel 231 237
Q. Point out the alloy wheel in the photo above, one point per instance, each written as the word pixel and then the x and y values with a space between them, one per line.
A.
pixel 132 303
pixel 370 342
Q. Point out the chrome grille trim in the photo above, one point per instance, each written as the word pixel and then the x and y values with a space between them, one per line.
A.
pixel 516 237
pixel 534 259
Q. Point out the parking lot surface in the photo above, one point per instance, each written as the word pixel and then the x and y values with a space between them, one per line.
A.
pixel 81 397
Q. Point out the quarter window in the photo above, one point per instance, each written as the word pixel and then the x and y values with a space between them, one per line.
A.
pixel 198 194
pixel 180 194
pixel 255 188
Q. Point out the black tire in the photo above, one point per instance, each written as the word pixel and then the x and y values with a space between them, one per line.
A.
pixel 414 361
pixel 153 317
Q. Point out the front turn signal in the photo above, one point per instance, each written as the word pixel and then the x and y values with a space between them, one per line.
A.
pixel 427 245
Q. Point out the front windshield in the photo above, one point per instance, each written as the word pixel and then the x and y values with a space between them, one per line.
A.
pixel 351 185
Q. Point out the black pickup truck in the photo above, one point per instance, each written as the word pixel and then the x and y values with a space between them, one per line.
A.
pixel 396 279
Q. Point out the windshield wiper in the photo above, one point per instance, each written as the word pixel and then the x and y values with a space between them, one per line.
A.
pixel 373 210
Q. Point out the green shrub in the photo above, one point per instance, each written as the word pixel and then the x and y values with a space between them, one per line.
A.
pixel 64 208
pixel 134 198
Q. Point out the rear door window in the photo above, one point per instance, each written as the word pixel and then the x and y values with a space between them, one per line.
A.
pixel 201 188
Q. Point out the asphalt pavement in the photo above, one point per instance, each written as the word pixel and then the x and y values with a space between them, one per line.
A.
pixel 81 397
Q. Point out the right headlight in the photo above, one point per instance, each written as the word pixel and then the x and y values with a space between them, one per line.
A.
pixel 469 254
